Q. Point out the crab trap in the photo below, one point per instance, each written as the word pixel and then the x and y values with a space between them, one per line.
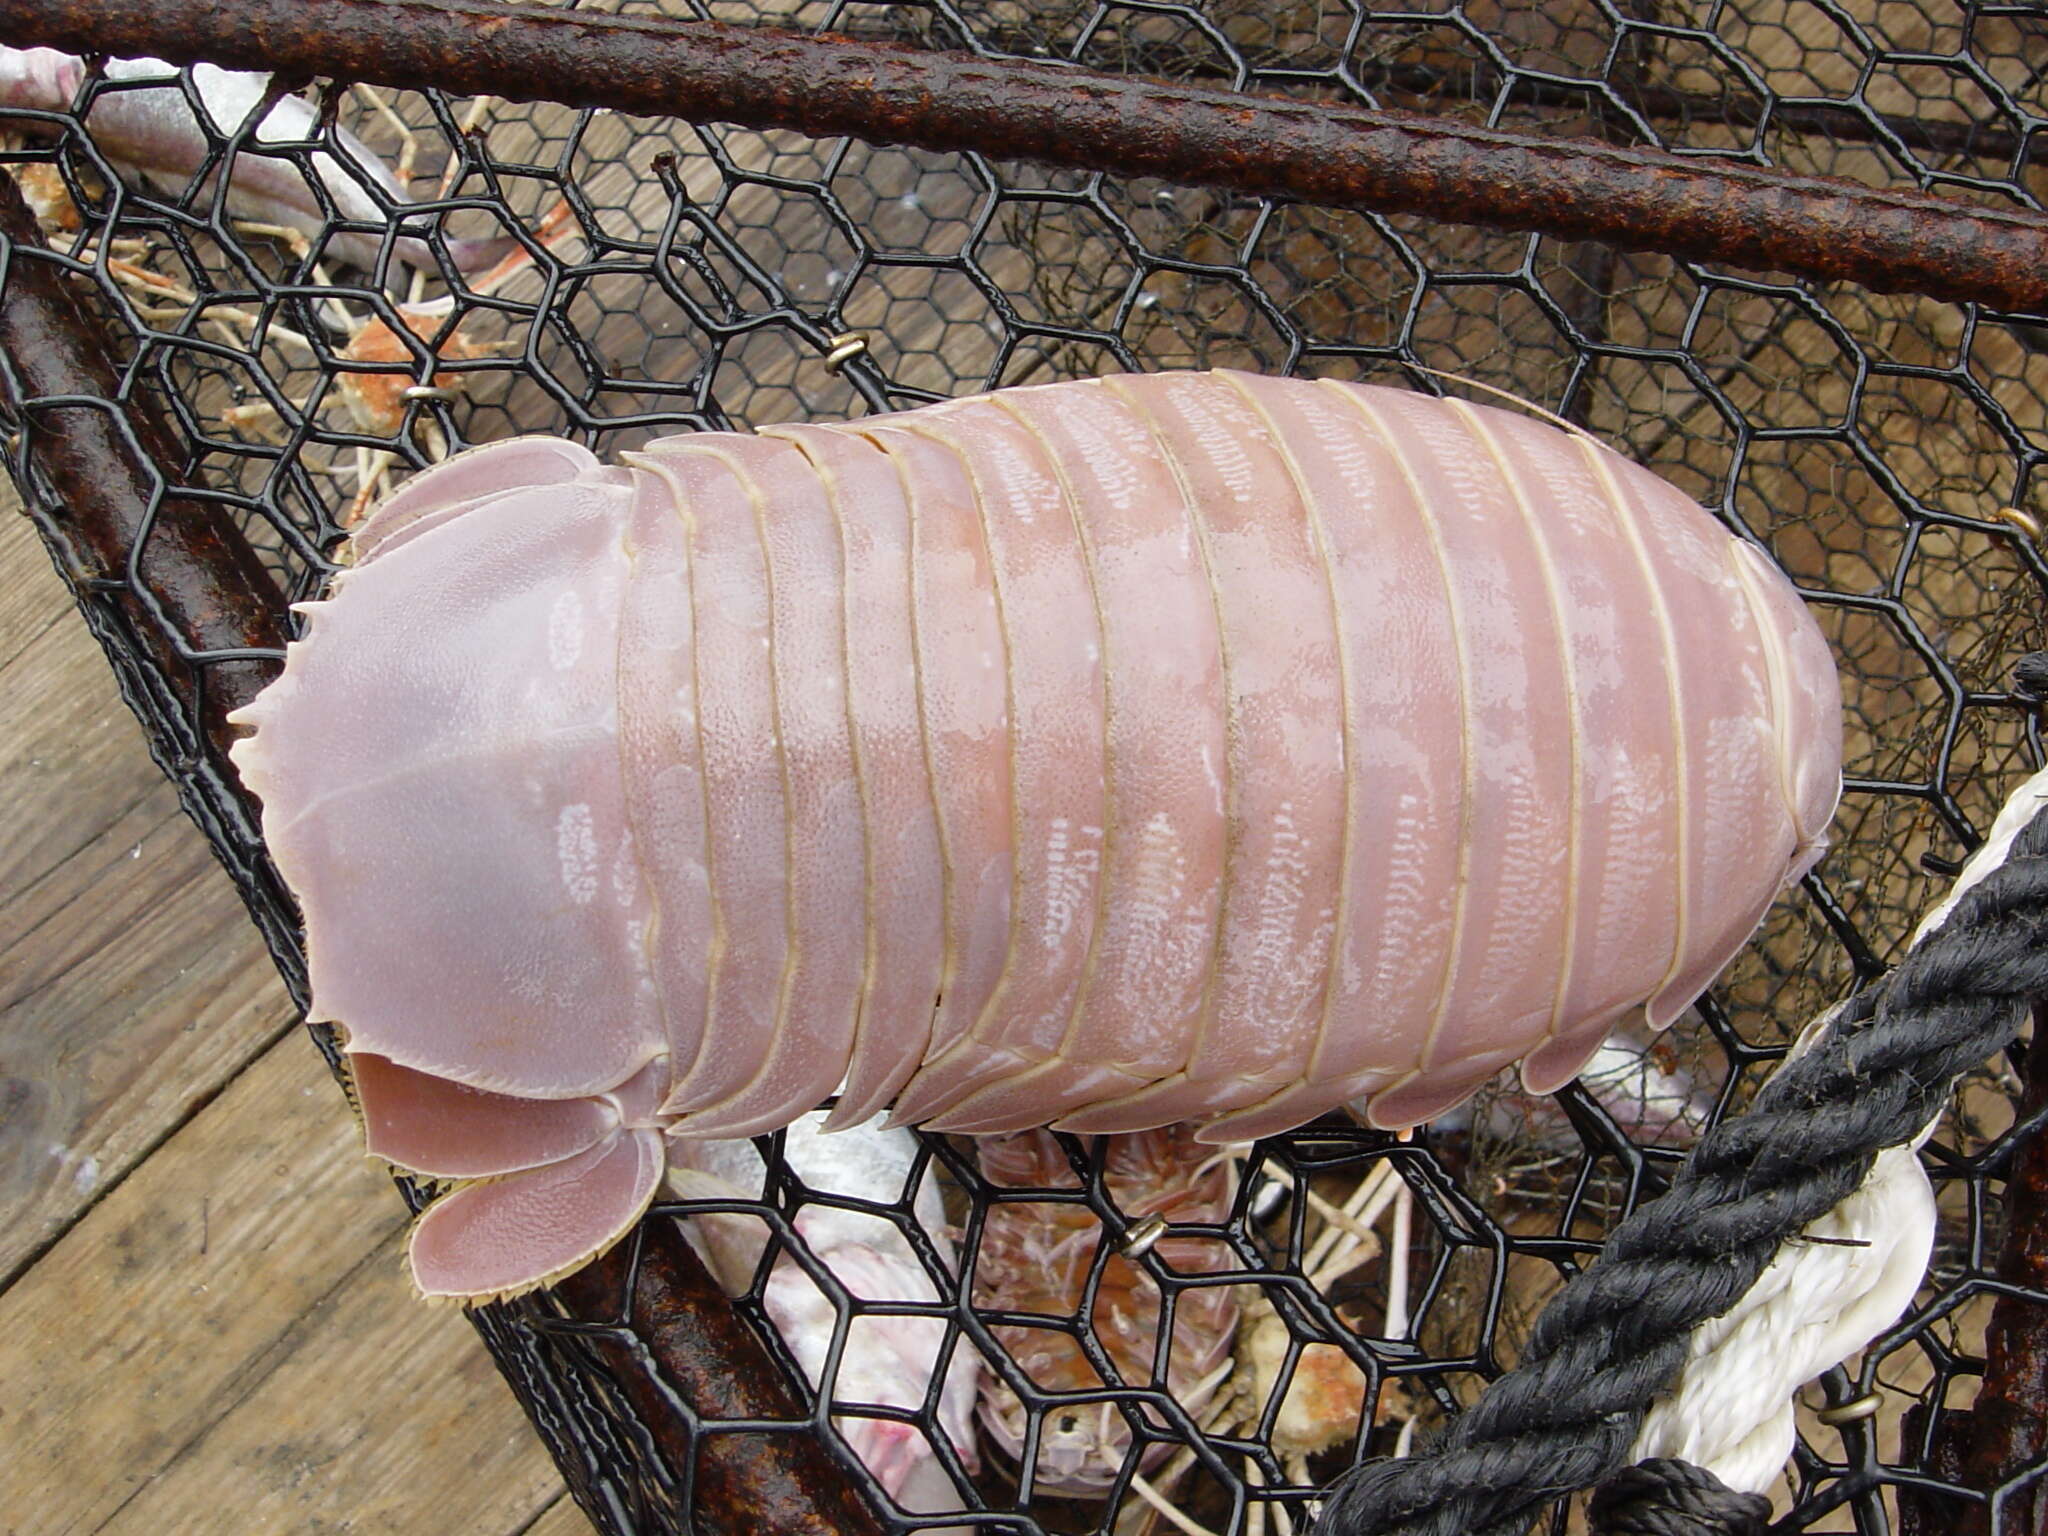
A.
pixel 224 342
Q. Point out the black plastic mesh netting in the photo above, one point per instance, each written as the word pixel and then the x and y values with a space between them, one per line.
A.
pixel 1888 451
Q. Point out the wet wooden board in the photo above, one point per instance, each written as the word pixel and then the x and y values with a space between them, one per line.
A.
pixel 202 1315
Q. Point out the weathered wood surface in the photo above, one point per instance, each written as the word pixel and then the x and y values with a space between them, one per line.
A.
pixel 203 1323
pixel 132 985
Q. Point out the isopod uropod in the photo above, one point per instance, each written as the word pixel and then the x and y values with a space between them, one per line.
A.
pixel 1189 747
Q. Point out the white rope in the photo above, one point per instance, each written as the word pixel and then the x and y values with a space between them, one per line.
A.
pixel 1817 1303
pixel 1830 1291
pixel 2025 804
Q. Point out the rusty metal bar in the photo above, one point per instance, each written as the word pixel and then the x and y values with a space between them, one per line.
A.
pixel 166 581
pixel 1631 198
pixel 108 461
pixel 779 1482
pixel 1420 87
pixel 2005 1431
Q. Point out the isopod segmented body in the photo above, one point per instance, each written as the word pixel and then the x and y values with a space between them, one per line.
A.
pixel 1188 747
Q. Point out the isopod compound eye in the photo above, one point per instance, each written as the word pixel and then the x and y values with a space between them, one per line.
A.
pixel 1188 748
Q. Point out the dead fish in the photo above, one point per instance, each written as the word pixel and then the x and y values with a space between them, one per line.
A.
pixel 888 1361
pixel 153 132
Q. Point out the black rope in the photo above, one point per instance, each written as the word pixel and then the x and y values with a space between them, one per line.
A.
pixel 1668 1497
pixel 1615 1336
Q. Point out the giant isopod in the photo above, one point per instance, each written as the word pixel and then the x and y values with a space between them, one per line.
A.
pixel 1193 747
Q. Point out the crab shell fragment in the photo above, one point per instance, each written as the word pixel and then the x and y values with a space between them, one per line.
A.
pixel 1187 747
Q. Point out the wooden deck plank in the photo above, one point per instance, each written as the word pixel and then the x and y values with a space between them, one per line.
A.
pixel 70 752
pixel 139 1006
pixel 229 1330
pixel 180 1289
pixel 384 1416
pixel 25 609
pixel 132 984
pixel 561 1518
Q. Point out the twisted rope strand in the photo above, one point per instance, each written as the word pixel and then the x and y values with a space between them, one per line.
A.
pixel 1666 1497
pixel 1615 1336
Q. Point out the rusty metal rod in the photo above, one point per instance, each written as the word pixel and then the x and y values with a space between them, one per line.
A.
pixel 98 468
pixel 1632 198
pixel 1423 86
pixel 779 1482
pixel 1995 1441
pixel 1841 120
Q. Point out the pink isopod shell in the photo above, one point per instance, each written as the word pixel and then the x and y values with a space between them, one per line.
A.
pixel 1193 747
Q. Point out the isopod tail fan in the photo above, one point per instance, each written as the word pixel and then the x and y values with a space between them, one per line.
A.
pixel 443 1129
pixel 542 1186
pixel 500 1238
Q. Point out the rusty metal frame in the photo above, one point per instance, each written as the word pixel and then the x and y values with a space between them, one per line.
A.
pixel 1702 209
pixel 2001 1434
